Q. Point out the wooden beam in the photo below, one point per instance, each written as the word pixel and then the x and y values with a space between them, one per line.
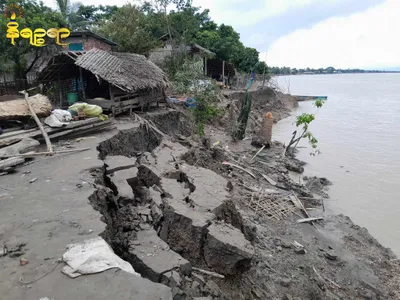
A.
pixel 111 92
pixel 83 86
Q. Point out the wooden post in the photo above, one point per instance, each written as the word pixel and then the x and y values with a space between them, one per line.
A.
pixel 39 124
pixel 223 72
pixel 59 90
pixel 111 93
pixel 83 86
pixel 111 99
pixel 205 66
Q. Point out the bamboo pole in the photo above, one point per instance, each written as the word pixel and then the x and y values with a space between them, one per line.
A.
pixel 45 153
pixel 39 124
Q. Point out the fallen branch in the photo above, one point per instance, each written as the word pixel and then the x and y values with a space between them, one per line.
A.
pixel 269 179
pixel 46 153
pixel 240 168
pixel 290 143
pixel 300 204
pixel 327 279
pixel 258 152
pixel 39 124
pixel 208 273
pixel 309 220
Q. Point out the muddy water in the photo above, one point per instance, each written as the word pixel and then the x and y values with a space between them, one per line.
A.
pixel 359 136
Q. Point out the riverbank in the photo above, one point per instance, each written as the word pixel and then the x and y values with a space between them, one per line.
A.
pixel 364 174
pixel 172 207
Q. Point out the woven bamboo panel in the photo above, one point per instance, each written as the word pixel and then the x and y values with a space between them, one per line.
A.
pixel 271 207
pixel 17 109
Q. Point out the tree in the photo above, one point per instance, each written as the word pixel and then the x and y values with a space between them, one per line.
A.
pixel 23 55
pixel 89 16
pixel 247 60
pixel 128 28
pixel 304 120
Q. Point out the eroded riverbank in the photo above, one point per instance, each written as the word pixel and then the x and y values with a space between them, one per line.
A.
pixel 192 226
pixel 201 214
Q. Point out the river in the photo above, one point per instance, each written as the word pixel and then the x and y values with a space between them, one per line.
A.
pixel 358 130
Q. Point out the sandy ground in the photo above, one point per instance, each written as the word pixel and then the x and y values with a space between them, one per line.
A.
pixel 38 220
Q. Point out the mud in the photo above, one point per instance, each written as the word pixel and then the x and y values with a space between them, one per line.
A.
pixel 172 207
pixel 263 101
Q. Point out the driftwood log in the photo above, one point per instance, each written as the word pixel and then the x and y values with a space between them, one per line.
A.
pixel 11 162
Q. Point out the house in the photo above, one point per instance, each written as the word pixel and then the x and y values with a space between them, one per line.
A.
pixel 78 41
pixel 115 81
pixel 87 40
pixel 213 67
pixel 159 55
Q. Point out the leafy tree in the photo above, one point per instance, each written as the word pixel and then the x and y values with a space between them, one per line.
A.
pixel 304 121
pixel 248 60
pixel 186 23
pixel 128 28
pixel 89 16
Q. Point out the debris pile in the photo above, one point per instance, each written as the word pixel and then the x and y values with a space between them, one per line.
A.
pixel 170 220
pixel 18 145
pixel 206 220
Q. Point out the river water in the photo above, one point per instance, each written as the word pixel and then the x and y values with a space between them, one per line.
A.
pixel 358 130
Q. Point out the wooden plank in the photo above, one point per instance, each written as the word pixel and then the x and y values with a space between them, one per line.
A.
pixel 269 179
pixel 11 162
pixel 78 129
pixel 16 132
pixel 34 134
pixel 309 220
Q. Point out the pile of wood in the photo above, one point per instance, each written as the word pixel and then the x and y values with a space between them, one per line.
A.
pixel 15 146
pixel 72 129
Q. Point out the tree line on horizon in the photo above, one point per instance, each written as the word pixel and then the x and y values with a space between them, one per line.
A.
pixel 135 28
pixel 328 70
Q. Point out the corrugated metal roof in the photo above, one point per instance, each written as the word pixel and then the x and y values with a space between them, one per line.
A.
pixel 95 35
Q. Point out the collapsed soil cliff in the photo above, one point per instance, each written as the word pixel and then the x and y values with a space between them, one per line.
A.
pixel 263 101
pixel 205 229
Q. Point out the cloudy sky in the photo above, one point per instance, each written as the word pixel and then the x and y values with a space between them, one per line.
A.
pixel 312 33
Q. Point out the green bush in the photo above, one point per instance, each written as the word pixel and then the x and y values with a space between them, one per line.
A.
pixel 188 79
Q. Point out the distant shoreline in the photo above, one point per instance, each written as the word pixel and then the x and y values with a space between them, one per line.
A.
pixel 375 72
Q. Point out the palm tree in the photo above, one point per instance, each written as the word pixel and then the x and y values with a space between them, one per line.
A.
pixel 64 8
pixel 69 13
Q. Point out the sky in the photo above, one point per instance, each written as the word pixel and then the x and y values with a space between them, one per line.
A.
pixel 311 33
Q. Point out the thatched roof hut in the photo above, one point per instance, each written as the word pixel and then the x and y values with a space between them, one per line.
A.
pixel 102 74
pixel 130 72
